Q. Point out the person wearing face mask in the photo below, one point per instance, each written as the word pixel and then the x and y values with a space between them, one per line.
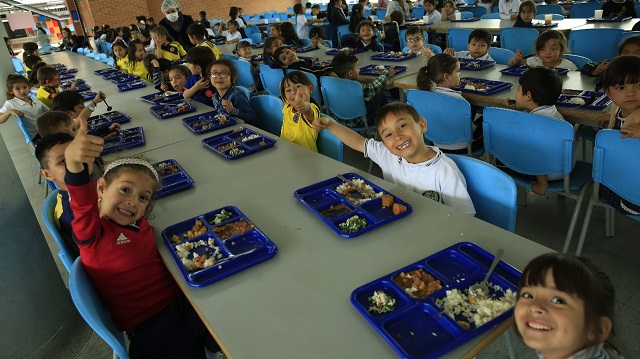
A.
pixel 176 22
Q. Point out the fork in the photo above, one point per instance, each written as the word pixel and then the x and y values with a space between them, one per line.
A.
pixel 365 193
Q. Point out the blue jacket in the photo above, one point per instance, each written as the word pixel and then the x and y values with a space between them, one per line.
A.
pixel 241 106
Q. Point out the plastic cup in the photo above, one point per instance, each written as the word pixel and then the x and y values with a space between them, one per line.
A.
pixel 458 16
pixel 425 19
pixel 598 14
pixel 548 18
pixel 266 21
pixel 278 20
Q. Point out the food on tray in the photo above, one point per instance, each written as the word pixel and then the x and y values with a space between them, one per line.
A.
pixel 468 310
pixel 202 124
pixel 417 283
pixel 166 169
pixel 381 303
pixel 110 135
pixel 175 239
pixel 353 224
pixel 221 217
pixel 399 208
pixel 251 137
pixel 335 210
pixel 198 261
pixel 571 92
pixel 348 188
pixel 395 53
pixel 576 101
pixel 183 108
pixel 233 229
pixel 236 152
pixel 222 119
pixel 227 146
pixel 474 86
pixel 380 67
pixel 197 230
pixel 262 143
pixel 387 200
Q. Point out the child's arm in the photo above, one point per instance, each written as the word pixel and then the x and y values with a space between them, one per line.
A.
pixel 450 51
pixel 86 112
pixel 370 88
pixel 518 59
pixel 631 131
pixel 4 116
pixel 348 136
pixel 201 84
pixel 157 75
pixel 238 105
pixel 302 104
pixel 74 85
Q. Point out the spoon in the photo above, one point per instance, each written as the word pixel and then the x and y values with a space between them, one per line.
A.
pixel 481 289
pixel 109 108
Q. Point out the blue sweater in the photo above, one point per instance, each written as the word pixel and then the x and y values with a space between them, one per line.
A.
pixel 241 106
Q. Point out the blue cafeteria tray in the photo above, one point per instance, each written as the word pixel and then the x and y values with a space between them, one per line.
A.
pixel 418 327
pixel 237 251
pixel 43 53
pixel 610 19
pixel 178 62
pixel 601 101
pixel 208 122
pixel 542 25
pixel 128 86
pixel 374 71
pixel 172 109
pixel 123 77
pixel 491 87
pixel 88 95
pixel 257 46
pixel 173 178
pixel 82 87
pixel 347 50
pixel 228 144
pixel 257 58
pixel 161 97
pixel 475 65
pixel 471 19
pixel 106 71
pixel 389 56
pixel 334 208
pixel 67 84
pixel 106 119
pixel 218 42
pixel 519 70
pixel 60 67
pixel 114 74
pixel 67 76
pixel 67 71
pixel 129 138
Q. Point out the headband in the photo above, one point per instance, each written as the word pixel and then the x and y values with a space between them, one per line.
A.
pixel 131 161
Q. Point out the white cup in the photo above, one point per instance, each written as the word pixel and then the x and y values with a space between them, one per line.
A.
pixel 548 18
pixel 315 17
pixel 458 16
pixel 372 18
pixel 598 14
pixel 278 20
pixel 266 21
pixel 425 19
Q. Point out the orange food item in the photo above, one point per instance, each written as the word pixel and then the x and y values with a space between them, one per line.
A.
pixel 417 283
pixel 399 208
pixel 387 200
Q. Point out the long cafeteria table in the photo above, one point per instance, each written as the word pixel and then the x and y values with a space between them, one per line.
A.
pixel 495 25
pixel 623 25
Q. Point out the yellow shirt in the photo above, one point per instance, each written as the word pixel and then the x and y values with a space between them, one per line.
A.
pixel 216 52
pixel 45 95
pixel 122 64
pixel 137 68
pixel 297 129
pixel 173 51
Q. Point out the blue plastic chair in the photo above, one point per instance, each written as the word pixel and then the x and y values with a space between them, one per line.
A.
pixel 23 128
pixel 458 39
pixel 283 16
pixel 316 95
pixel 496 9
pixel 18 66
pixel 519 38
pixel 553 17
pixel 531 145
pixel 596 44
pixel 344 99
pixel 627 34
pixel 268 110
pixel 252 29
pixel 305 42
pixel 329 145
pixel 417 12
pixel 245 91
pixel 448 117
pixel 578 60
pixel 477 11
pixel 93 310
pixel 584 10
pixel 48 216
pixel 230 57
pixel 245 77
pixel 492 15
pixel 493 192
pixel 381 14
pixel 466 14
pixel 500 55
pixel 612 167
pixel 271 79
pixel 403 40
pixel 256 38
pixel 342 30
pixel 549 9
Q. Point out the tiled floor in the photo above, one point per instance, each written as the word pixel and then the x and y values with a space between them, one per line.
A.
pixel 543 219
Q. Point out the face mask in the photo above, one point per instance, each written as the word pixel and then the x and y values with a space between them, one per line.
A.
pixel 173 17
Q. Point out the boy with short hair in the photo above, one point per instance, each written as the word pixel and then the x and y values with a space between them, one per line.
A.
pixel 404 158
pixel 49 80
pixel 286 58
pixel 478 46
pixel 198 36
pixel 30 48
pixel 29 62
pixel 430 10
pixel 231 33
pixel 317 35
pixel 54 122
pixel 346 66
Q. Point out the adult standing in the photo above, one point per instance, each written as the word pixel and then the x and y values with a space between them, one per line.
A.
pixel 399 5
pixel 176 22
pixel 336 17
pixel 382 4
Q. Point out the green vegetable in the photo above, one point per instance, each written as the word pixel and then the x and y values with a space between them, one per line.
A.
pixel 381 302
pixel 353 224
pixel 222 216
pixel 235 151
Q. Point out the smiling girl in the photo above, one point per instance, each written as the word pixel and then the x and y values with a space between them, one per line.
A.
pixel 550 46
pixel 20 104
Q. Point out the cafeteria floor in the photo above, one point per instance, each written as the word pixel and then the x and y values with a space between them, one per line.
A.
pixel 544 220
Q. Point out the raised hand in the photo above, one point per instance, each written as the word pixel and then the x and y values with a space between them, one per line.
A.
pixel 228 106
pixel 449 51
pixel 301 102
pixel 84 148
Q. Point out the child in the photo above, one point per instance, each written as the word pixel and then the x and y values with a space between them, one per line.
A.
pixel 630 46
pixel 289 34
pixel 30 62
pixel 50 155
pixel 198 36
pixel 478 45
pixel 49 82
pixel 357 15
pixel 33 78
pixel 404 158
pixel 299 111
pixel 416 42
pixel 317 12
pixel 136 60
pixel 198 59
pixel 623 8
pixel 526 13
pixel 346 66
pixel 120 52
pixel 232 34
pixel 145 39
pixel 72 104
pixel 227 98
pixel 159 68
pixel 449 10
pixel 243 50
pixel 178 75
pixel 302 23
pixel 366 40
pixel 118 251
pixel 508 9
pixel 430 10
pixel 270 46
pixel 20 104
pixel 336 17
pixel 621 82
pixel 276 31
pixel 566 308
pixel 30 49
pixel 286 58
pixel 166 46
pixel 550 46
pixel 538 91
pixel 316 34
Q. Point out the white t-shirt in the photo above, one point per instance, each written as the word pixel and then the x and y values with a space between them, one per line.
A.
pixel 31 112
pixel 467 55
pixel 434 16
pixel 438 179
pixel 302 29
pixel 565 64
pixel 507 8
pixel 240 22
pixel 230 36
pixel 450 92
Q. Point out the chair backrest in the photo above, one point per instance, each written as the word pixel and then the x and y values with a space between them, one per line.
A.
pixel 381 14
pixel 245 91
pixel 18 66
pixel 519 38
pixel 403 40
pixel 578 60
pixel 596 44
pixel 458 39
pixel 342 30
pixel 553 17
pixel 48 216
pixel 93 310
pixel 627 34
pixel 230 57
pixel 330 146
pixel 245 77
pixel 493 192
pixel 268 110
pixel 448 117
pixel 491 15
pixel 417 12
pixel 611 165
pixel 271 79
pixel 477 11
pixel 549 9
pixel 23 128
pixel 305 42
pixel 466 14
pixel 584 10
pixel 256 38
pixel 500 55
pixel 528 144
pixel 316 88
pixel 496 9
pixel 343 98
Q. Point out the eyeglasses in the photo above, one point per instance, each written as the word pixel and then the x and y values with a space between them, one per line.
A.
pixel 414 39
pixel 223 74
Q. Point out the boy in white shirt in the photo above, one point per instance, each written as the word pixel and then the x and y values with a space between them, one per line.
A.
pixel 508 9
pixel 232 34
pixel 479 44
pixel 404 157
pixel 302 23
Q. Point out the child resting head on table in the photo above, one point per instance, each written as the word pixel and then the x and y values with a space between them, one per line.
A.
pixel 416 42
pixel 526 13
pixel 271 44
pixel 286 58
pixel 178 75
pixel 449 11
pixel 404 158
pixel 228 98
pixel 299 110
pixel 550 46
pixel 478 46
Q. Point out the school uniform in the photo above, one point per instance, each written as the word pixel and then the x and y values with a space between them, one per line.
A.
pixel 565 64
pixel 302 29
pixel 549 111
pixel 240 102
pixel 45 95
pixel 173 51
pixel 506 8
pixel 467 55
pixel 31 112
pixel 216 52
pixel 231 37
pixel 203 96
pixel 297 129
